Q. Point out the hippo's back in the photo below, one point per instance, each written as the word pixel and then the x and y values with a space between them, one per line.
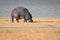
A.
pixel 18 10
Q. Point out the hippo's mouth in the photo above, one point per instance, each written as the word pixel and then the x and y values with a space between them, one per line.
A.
pixel 30 20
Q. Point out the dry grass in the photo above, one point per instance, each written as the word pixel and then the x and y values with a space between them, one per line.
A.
pixel 40 29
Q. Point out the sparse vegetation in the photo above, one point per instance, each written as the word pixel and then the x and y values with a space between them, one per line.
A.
pixel 40 29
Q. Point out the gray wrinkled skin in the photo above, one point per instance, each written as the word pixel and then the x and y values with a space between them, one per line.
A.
pixel 21 13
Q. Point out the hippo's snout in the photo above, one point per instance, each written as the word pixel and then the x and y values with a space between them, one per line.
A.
pixel 30 20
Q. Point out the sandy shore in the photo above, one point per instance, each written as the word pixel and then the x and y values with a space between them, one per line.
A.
pixel 40 29
pixel 6 22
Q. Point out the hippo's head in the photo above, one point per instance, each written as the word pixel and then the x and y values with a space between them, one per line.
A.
pixel 30 20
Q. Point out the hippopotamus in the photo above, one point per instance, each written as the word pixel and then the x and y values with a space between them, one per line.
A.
pixel 21 13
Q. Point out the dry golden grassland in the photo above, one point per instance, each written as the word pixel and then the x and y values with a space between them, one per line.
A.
pixel 40 29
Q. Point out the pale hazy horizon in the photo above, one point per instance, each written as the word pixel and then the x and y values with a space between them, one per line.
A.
pixel 38 8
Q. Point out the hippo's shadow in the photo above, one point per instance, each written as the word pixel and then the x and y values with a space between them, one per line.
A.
pixel 42 21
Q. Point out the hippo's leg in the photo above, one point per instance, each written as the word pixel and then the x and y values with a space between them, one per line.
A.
pixel 17 20
pixel 12 19
pixel 25 20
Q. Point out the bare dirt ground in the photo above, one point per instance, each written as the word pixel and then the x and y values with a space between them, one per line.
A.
pixel 40 29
